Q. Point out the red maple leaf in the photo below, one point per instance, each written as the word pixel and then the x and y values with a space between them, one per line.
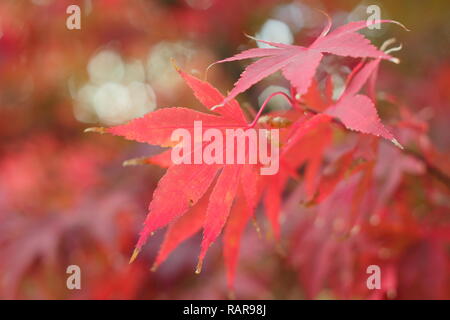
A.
pixel 357 111
pixel 298 64
pixel 202 194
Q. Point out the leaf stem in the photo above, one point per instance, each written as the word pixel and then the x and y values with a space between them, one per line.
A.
pixel 258 115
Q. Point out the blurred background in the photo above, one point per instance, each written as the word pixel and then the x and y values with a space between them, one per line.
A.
pixel 65 198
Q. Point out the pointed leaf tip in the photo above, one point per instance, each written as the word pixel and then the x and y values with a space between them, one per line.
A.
pixel 100 130
pixel 174 64
pixel 390 21
pixel 134 255
pixel 134 162
pixel 198 269
pixel 257 228
pixel 154 267
pixel 250 37
pixel 397 144
pixel 328 25
pixel 231 294
pixel 205 78
pixel 395 60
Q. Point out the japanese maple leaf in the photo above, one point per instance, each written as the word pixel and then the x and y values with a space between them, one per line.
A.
pixel 298 64
pixel 191 196
pixel 357 112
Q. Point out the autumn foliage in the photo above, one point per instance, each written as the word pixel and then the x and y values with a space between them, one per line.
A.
pixel 361 179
